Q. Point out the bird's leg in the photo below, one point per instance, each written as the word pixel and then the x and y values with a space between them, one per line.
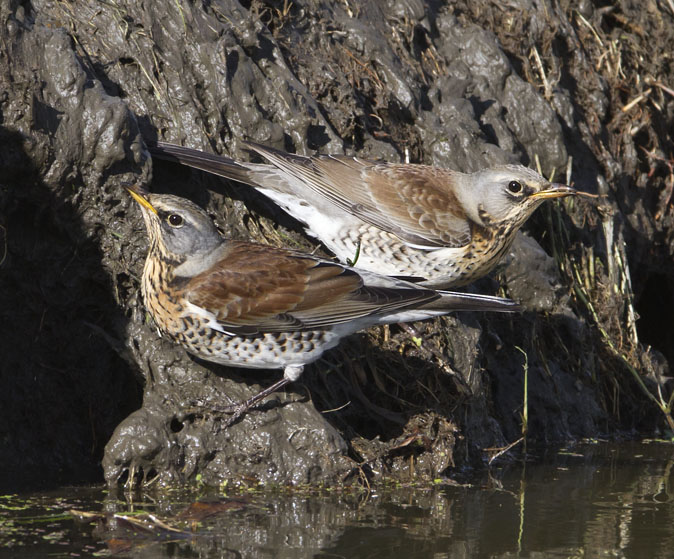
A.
pixel 290 374
pixel 243 407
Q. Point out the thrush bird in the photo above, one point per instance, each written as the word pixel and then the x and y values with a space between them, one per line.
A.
pixel 415 221
pixel 256 306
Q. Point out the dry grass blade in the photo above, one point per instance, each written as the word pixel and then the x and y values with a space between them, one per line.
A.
pixel 589 195
pixel 638 99
pixel 501 451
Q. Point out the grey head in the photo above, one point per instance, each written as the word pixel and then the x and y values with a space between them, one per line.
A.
pixel 177 227
pixel 506 194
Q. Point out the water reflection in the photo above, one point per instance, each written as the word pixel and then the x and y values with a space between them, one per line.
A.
pixel 593 500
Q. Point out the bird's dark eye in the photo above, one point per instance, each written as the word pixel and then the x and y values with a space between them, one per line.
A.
pixel 515 187
pixel 175 220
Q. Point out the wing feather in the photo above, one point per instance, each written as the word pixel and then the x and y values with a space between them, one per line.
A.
pixel 255 289
pixel 414 202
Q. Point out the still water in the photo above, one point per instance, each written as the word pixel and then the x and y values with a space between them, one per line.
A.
pixel 589 500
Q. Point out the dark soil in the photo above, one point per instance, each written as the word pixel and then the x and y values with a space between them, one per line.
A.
pixel 580 89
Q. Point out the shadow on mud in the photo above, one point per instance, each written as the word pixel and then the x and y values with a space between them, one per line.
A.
pixel 63 385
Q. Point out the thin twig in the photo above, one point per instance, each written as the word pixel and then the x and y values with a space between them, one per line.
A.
pixel 596 36
pixel 638 99
pixel 525 400
pixel 504 449
pixel 661 85
pixel 337 409
pixel 546 85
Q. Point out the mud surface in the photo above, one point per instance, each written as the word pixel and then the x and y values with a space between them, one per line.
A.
pixel 573 88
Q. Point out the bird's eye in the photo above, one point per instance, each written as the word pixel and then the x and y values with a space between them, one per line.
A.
pixel 175 220
pixel 515 187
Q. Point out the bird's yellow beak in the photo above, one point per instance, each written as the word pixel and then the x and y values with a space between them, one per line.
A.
pixel 137 195
pixel 555 191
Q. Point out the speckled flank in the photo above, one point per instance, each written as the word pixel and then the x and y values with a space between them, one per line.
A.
pixel 256 352
pixel 383 252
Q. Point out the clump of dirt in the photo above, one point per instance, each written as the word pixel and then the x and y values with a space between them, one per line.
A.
pixel 582 92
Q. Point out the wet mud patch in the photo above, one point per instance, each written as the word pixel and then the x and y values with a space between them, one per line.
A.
pixel 574 89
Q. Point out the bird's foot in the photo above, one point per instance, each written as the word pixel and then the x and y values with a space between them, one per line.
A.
pixel 236 411
pixel 236 414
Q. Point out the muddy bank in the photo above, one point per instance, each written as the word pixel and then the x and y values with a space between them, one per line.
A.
pixel 576 90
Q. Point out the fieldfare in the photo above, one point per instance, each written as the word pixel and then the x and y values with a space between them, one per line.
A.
pixel 414 221
pixel 256 306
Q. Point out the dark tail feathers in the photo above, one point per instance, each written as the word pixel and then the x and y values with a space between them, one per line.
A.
pixel 211 163
pixel 472 302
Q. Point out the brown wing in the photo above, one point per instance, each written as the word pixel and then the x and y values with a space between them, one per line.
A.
pixel 255 288
pixel 412 201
